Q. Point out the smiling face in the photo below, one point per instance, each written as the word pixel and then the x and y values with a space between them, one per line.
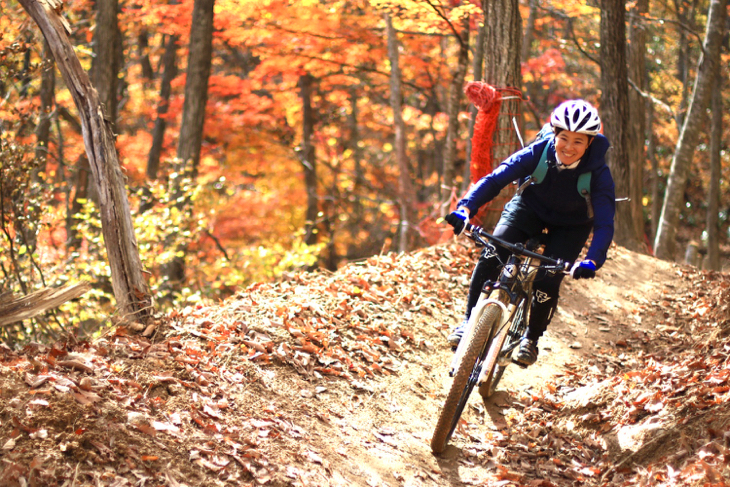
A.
pixel 570 146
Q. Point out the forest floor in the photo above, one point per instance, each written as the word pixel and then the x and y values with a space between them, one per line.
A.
pixel 336 379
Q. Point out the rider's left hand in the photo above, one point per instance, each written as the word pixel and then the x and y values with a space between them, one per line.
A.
pixel 585 269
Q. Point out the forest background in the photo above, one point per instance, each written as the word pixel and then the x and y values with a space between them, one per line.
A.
pixel 260 137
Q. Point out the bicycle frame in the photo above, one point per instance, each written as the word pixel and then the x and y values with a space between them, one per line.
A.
pixel 514 286
pixel 506 293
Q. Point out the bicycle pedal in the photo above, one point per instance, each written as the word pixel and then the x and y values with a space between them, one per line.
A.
pixel 520 364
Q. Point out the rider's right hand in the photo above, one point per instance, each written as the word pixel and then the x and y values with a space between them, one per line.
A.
pixel 458 219
pixel 585 269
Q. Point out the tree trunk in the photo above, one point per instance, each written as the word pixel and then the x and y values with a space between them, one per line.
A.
pixel 637 116
pixel 502 48
pixel 169 62
pixel 656 194
pixel 405 191
pixel 455 92
pixel 356 219
pixel 309 162
pixel 104 76
pixel 130 289
pixel 193 117
pixel 106 62
pixel 713 193
pixel 80 179
pixel 105 68
pixel 143 48
pixel 43 136
pixel 686 19
pixel 477 67
pixel 529 30
pixel 196 86
pixel 665 244
pixel 615 113
pixel 47 92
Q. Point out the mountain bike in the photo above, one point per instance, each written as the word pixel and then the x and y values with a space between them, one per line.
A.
pixel 496 326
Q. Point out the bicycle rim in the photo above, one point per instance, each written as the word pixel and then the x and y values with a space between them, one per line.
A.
pixel 465 378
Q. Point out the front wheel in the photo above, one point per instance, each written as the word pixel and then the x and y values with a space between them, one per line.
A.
pixel 467 373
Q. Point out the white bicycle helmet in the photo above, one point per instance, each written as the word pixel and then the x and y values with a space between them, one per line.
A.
pixel 576 116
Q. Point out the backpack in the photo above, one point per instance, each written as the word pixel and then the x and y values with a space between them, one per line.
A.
pixel 538 175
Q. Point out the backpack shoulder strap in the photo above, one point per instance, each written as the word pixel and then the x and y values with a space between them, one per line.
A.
pixel 584 184
pixel 584 188
pixel 538 174
pixel 541 170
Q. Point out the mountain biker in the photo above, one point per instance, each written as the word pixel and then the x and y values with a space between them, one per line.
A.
pixel 555 205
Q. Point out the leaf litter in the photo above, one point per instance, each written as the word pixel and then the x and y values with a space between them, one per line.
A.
pixel 310 380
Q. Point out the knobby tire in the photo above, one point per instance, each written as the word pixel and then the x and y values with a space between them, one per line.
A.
pixel 465 378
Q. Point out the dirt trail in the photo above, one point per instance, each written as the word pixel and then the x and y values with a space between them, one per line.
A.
pixel 383 435
pixel 320 379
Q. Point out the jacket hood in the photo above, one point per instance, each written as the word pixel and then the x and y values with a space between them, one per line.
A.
pixel 595 156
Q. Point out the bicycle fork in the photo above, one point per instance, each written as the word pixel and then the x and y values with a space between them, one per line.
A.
pixel 505 315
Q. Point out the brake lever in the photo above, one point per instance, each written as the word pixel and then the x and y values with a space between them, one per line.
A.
pixel 478 239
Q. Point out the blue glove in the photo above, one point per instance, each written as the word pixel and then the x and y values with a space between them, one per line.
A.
pixel 585 269
pixel 458 219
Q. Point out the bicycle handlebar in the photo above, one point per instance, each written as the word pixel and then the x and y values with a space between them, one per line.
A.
pixel 518 248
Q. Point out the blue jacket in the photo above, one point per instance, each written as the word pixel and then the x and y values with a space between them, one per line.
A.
pixel 556 200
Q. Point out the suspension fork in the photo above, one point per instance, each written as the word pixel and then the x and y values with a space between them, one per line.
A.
pixel 497 297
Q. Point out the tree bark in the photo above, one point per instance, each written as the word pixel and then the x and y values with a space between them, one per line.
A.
pixel 309 163
pixel 477 67
pixel 196 86
pixel 615 113
pixel 144 55
pixel 665 244
pixel 452 133
pixel 104 77
pixel 169 62
pixel 193 118
pixel 105 64
pixel 130 289
pixel 529 30
pixel 502 48
pixel 713 193
pixel 43 136
pixel 656 194
pixel 637 116
pixel 405 190
pixel 47 92
pixel 686 13
pixel 355 220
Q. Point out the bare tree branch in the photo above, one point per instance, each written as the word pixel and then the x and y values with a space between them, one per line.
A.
pixel 653 99
pixel 14 310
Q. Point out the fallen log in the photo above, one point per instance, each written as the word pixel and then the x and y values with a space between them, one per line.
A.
pixel 18 309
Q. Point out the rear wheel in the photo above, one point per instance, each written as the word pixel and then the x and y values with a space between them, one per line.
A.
pixel 467 373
